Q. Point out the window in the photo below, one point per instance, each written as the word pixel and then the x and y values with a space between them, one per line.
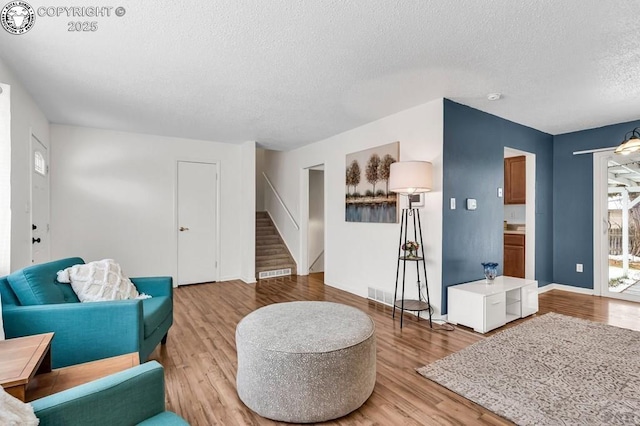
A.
pixel 39 164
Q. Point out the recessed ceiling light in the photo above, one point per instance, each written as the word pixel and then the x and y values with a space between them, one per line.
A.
pixel 494 96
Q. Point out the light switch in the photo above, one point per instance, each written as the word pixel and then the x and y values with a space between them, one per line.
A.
pixel 452 203
pixel 499 192
pixel 471 204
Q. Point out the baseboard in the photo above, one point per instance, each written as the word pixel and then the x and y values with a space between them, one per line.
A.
pixel 564 287
pixel 229 278
pixel 249 280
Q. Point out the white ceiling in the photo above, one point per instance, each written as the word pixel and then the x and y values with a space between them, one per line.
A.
pixel 290 72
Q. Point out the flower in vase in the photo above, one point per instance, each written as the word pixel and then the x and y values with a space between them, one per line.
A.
pixel 410 246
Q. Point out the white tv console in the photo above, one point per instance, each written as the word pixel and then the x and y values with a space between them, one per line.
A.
pixel 485 307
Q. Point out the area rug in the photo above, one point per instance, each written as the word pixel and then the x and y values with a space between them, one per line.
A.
pixel 550 370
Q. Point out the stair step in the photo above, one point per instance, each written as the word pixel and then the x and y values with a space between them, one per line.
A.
pixel 265 231
pixel 275 264
pixel 262 215
pixel 268 236
pixel 278 256
pixel 271 251
pixel 278 245
pixel 262 240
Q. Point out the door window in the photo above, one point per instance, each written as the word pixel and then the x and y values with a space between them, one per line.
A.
pixel 39 163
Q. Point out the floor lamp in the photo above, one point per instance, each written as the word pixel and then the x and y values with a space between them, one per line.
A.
pixel 410 178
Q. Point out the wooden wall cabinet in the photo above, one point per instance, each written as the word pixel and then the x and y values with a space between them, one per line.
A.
pixel 514 259
pixel 515 180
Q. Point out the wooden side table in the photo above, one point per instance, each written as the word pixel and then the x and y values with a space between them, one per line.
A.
pixel 21 359
pixel 68 377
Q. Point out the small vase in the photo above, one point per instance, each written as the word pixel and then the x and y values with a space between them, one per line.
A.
pixel 411 254
pixel 490 271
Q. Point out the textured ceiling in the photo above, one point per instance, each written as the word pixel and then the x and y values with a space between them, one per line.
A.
pixel 289 72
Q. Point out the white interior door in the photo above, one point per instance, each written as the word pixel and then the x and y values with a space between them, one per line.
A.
pixel 40 244
pixel 197 222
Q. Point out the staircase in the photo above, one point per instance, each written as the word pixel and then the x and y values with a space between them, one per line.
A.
pixel 272 256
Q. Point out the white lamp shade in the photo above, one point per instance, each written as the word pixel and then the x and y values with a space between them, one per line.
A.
pixel 410 177
pixel 629 146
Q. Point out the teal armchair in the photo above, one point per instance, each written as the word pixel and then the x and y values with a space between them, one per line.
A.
pixel 131 397
pixel 34 302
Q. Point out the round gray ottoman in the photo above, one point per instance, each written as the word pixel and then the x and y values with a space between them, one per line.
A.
pixel 305 362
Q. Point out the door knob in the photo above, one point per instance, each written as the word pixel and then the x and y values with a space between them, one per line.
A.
pixel 182 229
pixel 35 240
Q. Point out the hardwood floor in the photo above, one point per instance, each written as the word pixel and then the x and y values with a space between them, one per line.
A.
pixel 200 358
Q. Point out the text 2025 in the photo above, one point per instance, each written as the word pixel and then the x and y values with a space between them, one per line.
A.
pixel 83 26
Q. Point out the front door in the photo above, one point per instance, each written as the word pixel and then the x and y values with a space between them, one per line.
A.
pixel 197 222
pixel 39 201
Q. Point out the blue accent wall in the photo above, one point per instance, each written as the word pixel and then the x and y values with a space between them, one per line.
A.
pixel 473 157
pixel 573 200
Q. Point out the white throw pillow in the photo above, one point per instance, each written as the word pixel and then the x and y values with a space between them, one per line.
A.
pixel 14 412
pixel 99 281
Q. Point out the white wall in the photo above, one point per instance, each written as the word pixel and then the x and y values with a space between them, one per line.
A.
pixel 515 213
pixel 5 183
pixel 113 196
pixel 362 255
pixel 248 212
pixel 26 119
pixel 260 184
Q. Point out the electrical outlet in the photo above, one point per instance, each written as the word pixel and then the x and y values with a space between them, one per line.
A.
pixel 472 204
pixel 452 204
pixel 578 267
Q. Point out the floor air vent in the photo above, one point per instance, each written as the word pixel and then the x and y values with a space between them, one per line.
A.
pixel 380 296
pixel 276 273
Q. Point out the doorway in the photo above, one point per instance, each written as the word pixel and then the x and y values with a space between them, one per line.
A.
pixel 197 222
pixel 617 226
pixel 312 241
pixel 520 217
pixel 40 189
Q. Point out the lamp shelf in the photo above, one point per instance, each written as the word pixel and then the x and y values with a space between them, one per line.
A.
pixel 410 217
pixel 411 258
pixel 412 305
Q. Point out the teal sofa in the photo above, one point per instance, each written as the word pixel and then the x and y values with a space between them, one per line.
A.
pixel 34 302
pixel 131 397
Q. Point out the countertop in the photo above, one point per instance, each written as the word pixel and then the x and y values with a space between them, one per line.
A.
pixel 512 231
